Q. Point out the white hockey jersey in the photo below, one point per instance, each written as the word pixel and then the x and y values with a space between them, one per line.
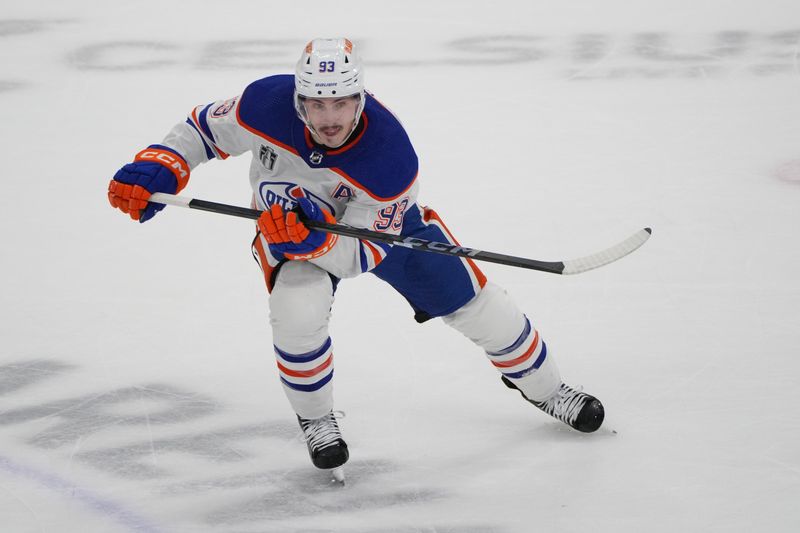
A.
pixel 371 182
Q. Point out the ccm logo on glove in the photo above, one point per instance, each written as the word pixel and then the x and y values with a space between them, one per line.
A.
pixel 168 160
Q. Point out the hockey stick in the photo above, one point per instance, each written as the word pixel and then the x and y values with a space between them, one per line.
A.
pixel 574 266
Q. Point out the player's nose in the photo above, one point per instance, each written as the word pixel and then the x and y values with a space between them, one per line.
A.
pixel 328 114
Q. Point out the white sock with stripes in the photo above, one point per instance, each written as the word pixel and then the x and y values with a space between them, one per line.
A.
pixel 494 322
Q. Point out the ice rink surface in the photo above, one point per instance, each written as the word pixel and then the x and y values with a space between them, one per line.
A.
pixel 138 390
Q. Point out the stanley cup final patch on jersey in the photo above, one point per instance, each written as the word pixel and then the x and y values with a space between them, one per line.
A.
pixel 267 156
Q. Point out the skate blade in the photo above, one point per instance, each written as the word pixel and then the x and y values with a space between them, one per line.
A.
pixel 338 475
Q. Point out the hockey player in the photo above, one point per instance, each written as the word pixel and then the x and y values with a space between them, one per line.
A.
pixel 325 149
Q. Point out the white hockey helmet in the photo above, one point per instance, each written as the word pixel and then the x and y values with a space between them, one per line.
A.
pixel 328 68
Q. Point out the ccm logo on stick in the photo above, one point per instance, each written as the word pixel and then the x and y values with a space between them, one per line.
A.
pixel 411 242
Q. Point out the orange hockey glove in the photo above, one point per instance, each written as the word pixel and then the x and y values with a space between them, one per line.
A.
pixel 289 237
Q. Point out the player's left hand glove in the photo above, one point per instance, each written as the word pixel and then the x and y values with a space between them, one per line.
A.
pixel 289 237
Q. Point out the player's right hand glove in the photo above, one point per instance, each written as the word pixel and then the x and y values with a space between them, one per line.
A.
pixel 288 237
pixel 154 169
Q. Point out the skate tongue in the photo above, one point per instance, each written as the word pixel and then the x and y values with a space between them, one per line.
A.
pixel 568 403
pixel 321 432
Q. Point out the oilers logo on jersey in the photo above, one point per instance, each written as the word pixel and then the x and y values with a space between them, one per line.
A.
pixel 284 194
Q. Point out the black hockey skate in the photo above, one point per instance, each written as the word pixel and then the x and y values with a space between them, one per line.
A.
pixel 325 444
pixel 577 409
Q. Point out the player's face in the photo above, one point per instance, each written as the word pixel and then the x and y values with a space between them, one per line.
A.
pixel 332 118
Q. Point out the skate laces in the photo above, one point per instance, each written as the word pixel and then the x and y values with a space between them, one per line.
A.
pixel 322 432
pixel 565 404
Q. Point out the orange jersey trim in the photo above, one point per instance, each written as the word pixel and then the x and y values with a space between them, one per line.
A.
pixel 375 255
pixel 264 135
pixel 429 214
pixel 266 268
pixel 343 174
pixel 222 155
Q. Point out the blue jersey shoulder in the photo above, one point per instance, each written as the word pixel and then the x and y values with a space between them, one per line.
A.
pixel 383 162
pixel 267 106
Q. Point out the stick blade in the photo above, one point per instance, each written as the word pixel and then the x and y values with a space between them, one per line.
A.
pixel 609 255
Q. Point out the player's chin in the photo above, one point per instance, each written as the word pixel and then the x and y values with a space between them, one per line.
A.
pixel 334 141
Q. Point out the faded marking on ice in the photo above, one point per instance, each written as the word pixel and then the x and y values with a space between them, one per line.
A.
pixel 296 494
pixel 261 496
pixel 114 56
pixel 74 492
pixel 15 376
pixel 74 418
pixel 581 56
pixel 218 446
pixel 11 85
pixel 9 28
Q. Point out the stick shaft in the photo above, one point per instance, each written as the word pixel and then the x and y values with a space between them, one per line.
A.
pixel 555 267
